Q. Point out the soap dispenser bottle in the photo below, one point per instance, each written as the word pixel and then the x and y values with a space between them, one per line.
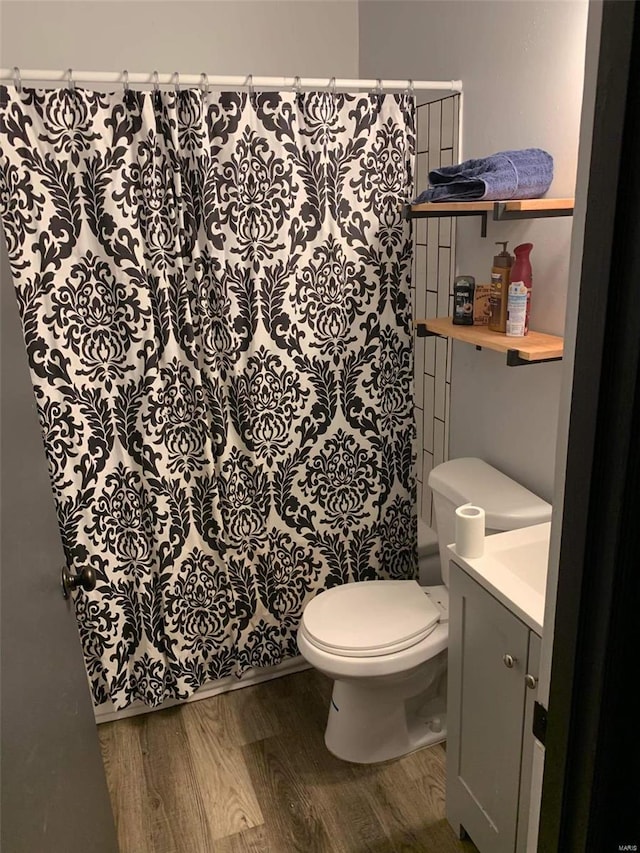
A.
pixel 500 277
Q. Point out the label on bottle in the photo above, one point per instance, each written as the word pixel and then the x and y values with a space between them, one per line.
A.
pixel 495 303
pixel 463 304
pixel 517 309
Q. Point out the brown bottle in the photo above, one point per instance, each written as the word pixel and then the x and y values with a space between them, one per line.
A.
pixel 500 276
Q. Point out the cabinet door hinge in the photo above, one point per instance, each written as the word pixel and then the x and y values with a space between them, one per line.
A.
pixel 540 723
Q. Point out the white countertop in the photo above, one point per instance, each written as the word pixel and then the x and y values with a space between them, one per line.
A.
pixel 513 569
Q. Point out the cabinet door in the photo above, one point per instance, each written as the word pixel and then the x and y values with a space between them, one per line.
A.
pixel 486 699
pixel 528 746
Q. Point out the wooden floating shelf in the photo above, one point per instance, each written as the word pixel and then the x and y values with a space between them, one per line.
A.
pixel 534 348
pixel 549 207
pixel 527 208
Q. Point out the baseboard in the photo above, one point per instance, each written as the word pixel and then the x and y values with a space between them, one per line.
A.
pixel 105 713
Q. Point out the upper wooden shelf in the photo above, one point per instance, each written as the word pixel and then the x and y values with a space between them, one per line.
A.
pixel 527 208
pixel 534 348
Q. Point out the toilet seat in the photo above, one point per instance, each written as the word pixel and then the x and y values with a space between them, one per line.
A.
pixel 369 618
pixel 342 666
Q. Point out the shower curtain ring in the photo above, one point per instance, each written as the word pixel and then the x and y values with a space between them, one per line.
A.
pixel 156 83
pixel 378 86
pixel 204 85
pixel 175 77
pixel 70 81
pixel 249 85
pixel 125 82
pixel 297 85
pixel 331 88
pixel 410 89
pixel 17 79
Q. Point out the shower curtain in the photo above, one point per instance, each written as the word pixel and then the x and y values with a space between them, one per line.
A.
pixel 214 293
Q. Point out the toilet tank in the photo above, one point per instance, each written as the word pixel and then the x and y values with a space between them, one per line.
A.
pixel 428 556
pixel 507 505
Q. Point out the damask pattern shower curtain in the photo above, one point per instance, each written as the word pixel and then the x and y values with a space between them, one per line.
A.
pixel 214 292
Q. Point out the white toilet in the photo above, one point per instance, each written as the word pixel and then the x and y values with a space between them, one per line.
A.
pixel 384 643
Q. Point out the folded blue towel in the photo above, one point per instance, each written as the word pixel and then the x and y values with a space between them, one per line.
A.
pixel 508 174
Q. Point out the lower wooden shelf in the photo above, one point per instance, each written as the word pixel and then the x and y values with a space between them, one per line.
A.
pixel 534 348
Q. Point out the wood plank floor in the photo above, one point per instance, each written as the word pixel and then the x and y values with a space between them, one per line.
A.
pixel 248 772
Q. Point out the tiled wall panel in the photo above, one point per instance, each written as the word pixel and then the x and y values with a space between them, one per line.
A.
pixel 434 271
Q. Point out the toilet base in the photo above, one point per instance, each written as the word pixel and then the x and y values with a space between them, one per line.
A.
pixel 366 725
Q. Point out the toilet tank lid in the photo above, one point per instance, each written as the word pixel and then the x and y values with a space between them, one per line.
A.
pixel 507 504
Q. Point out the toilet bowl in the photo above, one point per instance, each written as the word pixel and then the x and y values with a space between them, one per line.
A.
pixel 384 642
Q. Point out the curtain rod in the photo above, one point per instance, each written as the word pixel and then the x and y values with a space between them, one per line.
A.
pixel 155 78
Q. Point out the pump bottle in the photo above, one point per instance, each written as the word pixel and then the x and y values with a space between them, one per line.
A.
pixel 500 277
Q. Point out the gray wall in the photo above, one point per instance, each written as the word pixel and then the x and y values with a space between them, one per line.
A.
pixel 522 66
pixel 237 37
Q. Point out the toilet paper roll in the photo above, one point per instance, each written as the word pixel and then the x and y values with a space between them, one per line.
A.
pixel 470 531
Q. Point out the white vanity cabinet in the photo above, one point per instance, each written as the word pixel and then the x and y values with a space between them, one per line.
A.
pixel 493 671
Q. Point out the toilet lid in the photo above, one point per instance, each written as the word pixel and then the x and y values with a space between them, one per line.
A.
pixel 369 618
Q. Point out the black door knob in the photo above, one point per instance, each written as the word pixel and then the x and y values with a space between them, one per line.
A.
pixel 86 578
